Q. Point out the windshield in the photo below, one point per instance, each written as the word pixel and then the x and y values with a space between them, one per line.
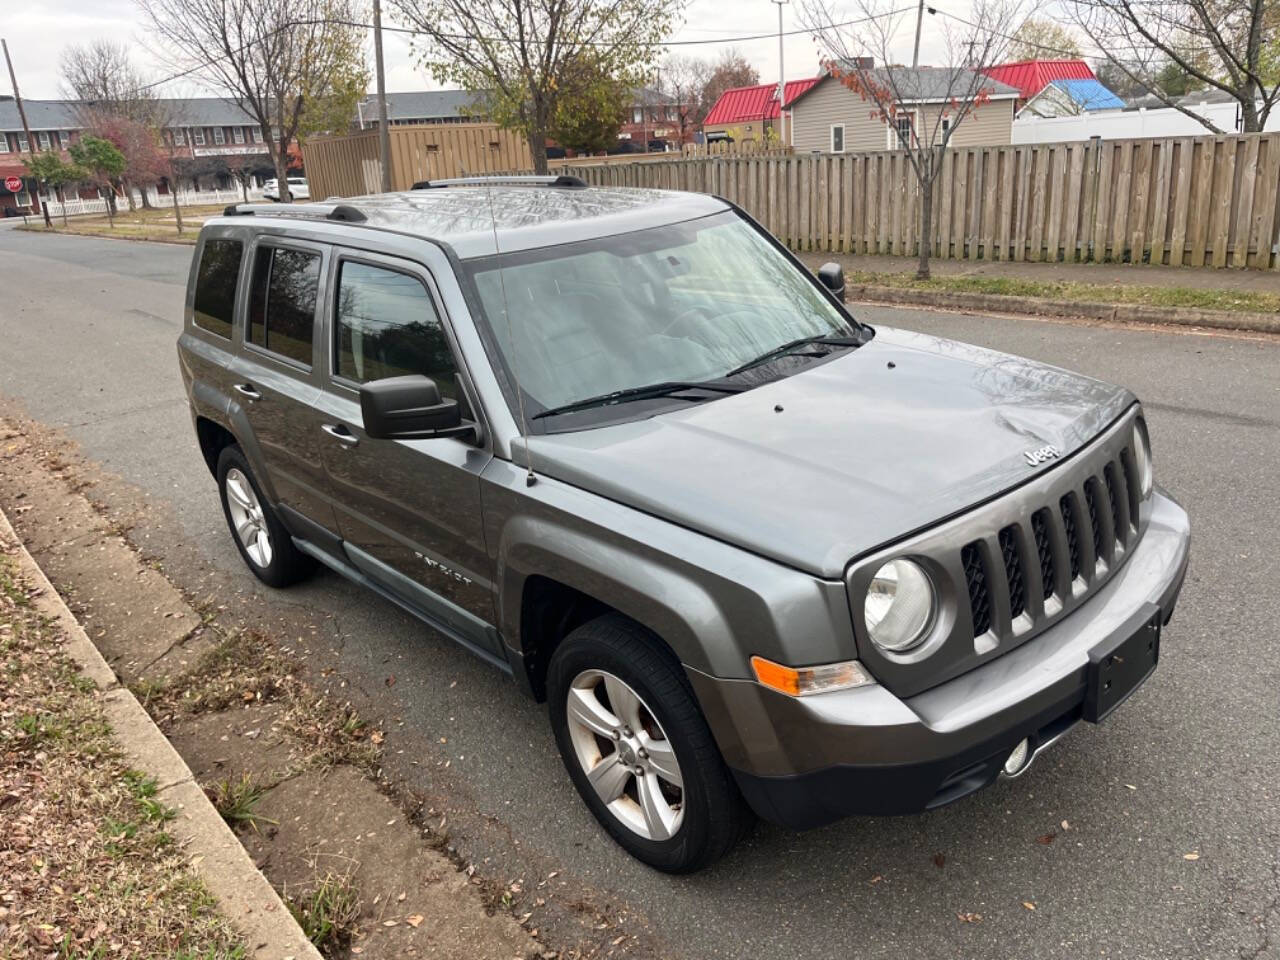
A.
pixel 685 302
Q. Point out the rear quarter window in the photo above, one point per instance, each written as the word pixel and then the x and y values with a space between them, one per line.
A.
pixel 215 298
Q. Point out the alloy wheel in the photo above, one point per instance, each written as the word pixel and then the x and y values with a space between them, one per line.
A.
pixel 625 754
pixel 247 518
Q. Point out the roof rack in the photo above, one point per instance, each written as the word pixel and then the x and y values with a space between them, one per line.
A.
pixel 313 211
pixel 563 180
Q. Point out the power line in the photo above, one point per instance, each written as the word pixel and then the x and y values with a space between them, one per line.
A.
pixel 462 36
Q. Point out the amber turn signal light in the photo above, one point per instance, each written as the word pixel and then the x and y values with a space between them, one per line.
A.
pixel 802 681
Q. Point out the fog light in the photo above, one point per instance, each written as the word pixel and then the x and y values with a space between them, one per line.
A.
pixel 1017 761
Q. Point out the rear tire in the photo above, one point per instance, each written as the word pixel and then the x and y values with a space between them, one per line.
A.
pixel 264 544
pixel 639 750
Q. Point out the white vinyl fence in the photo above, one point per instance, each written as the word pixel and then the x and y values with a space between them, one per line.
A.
pixel 186 198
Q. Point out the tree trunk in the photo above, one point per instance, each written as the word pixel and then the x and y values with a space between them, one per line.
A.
pixel 177 209
pixel 244 185
pixel 146 201
pixel 926 221
pixel 127 186
pixel 1249 111
pixel 282 174
pixel 538 148
pixel 64 206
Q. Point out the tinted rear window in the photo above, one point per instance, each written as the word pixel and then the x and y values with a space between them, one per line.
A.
pixel 282 305
pixel 215 299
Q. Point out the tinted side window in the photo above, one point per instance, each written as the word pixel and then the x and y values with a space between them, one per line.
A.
pixel 282 301
pixel 215 299
pixel 387 326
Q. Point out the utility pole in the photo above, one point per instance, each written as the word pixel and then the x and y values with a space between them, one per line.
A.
pixel 384 135
pixel 915 57
pixel 17 98
pixel 782 80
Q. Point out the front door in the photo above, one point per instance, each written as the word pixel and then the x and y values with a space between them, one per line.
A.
pixel 408 511
pixel 276 381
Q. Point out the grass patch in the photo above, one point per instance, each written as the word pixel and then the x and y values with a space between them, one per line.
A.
pixel 157 223
pixel 236 801
pixel 87 869
pixel 328 913
pixel 1205 299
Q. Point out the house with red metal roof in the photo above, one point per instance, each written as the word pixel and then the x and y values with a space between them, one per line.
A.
pixel 745 113
pixel 1029 77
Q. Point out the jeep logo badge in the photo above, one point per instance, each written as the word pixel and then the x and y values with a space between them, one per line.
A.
pixel 1045 453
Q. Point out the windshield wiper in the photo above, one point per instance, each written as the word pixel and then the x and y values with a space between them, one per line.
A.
pixel 647 392
pixel 786 348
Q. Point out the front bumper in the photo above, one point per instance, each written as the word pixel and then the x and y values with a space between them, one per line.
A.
pixel 803 762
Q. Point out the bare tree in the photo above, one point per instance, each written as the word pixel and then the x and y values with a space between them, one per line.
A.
pixel 924 107
pixel 101 76
pixel 276 58
pixel 685 78
pixel 1227 45
pixel 731 69
pixel 513 55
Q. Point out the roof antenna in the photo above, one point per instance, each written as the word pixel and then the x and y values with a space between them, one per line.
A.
pixel 530 479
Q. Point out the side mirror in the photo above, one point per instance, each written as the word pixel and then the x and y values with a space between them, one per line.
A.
pixel 832 277
pixel 409 408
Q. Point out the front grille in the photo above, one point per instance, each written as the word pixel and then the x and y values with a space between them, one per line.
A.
pixel 1056 530
pixel 1044 549
pixel 975 576
pixel 1013 571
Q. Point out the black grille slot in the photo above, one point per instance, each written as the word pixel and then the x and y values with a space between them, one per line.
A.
pixel 1131 488
pixel 1013 570
pixel 1040 530
pixel 1091 501
pixel 1073 541
pixel 975 575
pixel 1113 494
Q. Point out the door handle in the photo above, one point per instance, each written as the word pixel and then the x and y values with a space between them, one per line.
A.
pixel 249 390
pixel 341 434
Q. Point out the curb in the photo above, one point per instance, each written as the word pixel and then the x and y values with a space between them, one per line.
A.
pixel 243 893
pixel 1090 310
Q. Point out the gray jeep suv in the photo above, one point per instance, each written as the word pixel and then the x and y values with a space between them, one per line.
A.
pixel 620 444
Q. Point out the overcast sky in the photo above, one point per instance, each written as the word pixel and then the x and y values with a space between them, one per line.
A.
pixel 37 33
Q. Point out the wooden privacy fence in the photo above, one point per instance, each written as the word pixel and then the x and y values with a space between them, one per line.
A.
pixel 1190 201
pixel 348 165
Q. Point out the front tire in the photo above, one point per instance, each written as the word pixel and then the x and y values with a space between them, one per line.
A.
pixel 264 544
pixel 638 749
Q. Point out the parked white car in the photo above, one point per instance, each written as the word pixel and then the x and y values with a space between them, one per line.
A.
pixel 298 189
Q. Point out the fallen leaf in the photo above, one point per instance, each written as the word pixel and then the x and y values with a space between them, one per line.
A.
pixel 1028 904
pixel 1065 825
pixel 414 920
pixel 390 923
pixel 939 860
pixel 876 879
pixel 377 737
pixel 1191 856
pixel 391 680
pixel 969 917
pixel 1130 786
pixel 1046 839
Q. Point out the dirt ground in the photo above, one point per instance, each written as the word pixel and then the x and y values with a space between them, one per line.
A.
pixel 279 743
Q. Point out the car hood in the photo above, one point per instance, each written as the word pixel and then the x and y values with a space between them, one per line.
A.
pixel 818 468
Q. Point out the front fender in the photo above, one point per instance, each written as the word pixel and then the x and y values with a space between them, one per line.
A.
pixel 714 604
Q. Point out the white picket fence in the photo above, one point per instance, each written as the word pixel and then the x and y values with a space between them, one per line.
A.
pixel 186 198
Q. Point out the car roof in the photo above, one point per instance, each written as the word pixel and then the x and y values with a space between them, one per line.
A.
pixel 478 221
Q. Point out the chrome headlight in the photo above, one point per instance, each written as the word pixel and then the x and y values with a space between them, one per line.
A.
pixel 1142 459
pixel 899 606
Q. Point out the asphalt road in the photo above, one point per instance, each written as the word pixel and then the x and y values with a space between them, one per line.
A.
pixel 1190 765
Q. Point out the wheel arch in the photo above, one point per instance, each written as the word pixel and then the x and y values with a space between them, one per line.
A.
pixel 546 590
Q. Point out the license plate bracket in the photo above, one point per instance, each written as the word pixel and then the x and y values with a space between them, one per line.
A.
pixel 1116 669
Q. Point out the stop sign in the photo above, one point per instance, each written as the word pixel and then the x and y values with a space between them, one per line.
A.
pixel 13 184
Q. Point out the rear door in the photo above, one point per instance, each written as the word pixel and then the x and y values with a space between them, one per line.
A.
pixel 408 511
pixel 278 372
